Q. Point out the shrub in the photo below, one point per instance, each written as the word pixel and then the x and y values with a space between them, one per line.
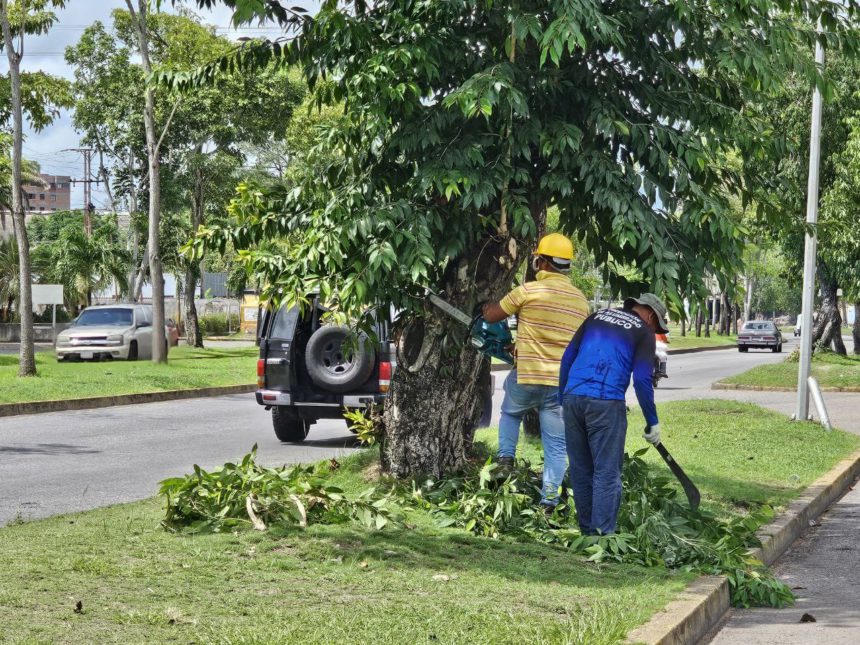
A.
pixel 216 324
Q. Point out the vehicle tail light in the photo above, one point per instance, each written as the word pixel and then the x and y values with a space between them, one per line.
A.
pixel 384 376
pixel 261 372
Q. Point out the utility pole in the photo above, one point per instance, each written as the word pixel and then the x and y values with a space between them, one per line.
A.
pixel 87 181
pixel 810 248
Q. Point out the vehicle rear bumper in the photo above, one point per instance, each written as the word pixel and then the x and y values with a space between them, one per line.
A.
pixel 759 344
pixel 270 398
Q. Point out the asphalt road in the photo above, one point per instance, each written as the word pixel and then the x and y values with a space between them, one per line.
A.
pixel 71 461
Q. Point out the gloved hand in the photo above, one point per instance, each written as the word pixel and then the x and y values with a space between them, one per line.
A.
pixel 652 434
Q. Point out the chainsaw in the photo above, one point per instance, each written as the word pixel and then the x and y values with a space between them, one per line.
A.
pixel 491 339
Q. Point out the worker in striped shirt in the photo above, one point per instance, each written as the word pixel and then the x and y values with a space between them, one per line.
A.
pixel 549 311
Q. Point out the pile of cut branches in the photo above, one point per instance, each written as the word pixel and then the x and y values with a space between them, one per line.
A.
pixel 655 527
pixel 247 494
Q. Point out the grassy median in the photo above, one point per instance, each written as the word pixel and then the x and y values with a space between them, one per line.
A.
pixel 188 368
pixel 418 584
pixel 691 341
pixel 831 370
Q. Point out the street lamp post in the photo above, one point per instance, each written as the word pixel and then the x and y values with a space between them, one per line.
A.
pixel 810 248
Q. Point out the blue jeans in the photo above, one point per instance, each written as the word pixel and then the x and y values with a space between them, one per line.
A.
pixel 518 400
pixel 595 431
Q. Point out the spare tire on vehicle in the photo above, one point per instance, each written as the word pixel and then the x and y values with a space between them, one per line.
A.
pixel 334 364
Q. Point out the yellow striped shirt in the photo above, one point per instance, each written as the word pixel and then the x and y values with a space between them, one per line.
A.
pixel 549 311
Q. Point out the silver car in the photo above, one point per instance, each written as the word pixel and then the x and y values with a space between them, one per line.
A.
pixel 763 334
pixel 108 331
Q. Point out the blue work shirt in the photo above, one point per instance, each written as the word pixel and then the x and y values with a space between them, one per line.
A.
pixel 611 345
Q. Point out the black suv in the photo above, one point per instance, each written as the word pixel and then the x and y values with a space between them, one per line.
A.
pixel 307 370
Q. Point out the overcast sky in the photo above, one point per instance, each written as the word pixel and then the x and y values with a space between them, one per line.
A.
pixel 46 53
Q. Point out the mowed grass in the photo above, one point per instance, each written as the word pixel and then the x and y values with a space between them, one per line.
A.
pixel 738 454
pixel 831 370
pixel 691 341
pixel 187 368
pixel 420 584
pixel 325 584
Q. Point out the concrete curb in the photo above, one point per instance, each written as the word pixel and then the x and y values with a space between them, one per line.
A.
pixel 719 385
pixel 503 367
pixel 696 350
pixel 40 407
pixel 686 619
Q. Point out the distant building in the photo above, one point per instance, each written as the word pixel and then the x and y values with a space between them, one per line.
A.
pixel 54 195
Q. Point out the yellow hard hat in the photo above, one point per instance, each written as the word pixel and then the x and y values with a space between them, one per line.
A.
pixel 555 245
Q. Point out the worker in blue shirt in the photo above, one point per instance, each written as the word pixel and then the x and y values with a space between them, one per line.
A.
pixel 595 371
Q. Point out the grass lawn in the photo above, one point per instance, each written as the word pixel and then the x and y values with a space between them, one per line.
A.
pixel 738 454
pixel 325 584
pixel 831 370
pixel 422 584
pixel 676 341
pixel 187 368
pixel 691 341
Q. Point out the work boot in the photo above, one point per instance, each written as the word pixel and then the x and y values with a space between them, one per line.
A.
pixel 507 462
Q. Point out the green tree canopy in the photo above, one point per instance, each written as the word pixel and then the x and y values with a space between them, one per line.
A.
pixel 464 121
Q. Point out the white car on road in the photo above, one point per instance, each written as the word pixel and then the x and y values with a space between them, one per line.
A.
pixel 108 331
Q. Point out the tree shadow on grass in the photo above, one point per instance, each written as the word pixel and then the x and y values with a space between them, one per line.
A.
pixel 455 552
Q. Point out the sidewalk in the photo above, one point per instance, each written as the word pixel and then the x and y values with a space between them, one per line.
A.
pixel 822 567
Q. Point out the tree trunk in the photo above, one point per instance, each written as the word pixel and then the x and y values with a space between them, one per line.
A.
pixel 721 330
pixel 736 312
pixel 133 235
pixel 855 330
pixel 435 398
pixel 27 356
pixel 531 420
pixel 683 325
pixel 159 353
pixel 193 337
pixel 749 285
pixel 103 173
pixel 699 321
pixel 192 274
pixel 708 319
pixel 827 331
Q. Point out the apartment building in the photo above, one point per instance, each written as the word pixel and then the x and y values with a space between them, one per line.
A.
pixel 54 195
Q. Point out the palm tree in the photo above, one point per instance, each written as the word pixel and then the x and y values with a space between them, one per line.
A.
pixel 9 283
pixel 83 264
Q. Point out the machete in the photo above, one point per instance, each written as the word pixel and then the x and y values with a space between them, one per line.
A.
pixel 690 490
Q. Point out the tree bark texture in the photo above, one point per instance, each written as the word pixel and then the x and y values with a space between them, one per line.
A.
pixel 855 330
pixel 721 329
pixel 531 420
pixel 827 330
pixel 192 273
pixel 193 337
pixel 699 322
pixel 736 312
pixel 708 320
pixel 156 276
pixel 749 285
pixel 27 354
pixel 435 399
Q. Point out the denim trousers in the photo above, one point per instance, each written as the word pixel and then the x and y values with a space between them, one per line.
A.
pixel 518 400
pixel 595 431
